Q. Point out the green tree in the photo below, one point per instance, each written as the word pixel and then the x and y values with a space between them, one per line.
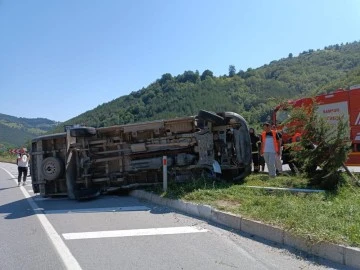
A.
pixel 206 73
pixel 322 145
pixel 165 78
pixel 241 73
pixel 232 71
pixel 188 76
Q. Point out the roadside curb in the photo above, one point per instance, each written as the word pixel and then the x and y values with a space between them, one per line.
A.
pixel 348 256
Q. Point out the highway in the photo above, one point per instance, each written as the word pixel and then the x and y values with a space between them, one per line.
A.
pixel 121 232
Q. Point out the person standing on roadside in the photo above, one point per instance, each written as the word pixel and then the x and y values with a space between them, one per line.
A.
pixel 278 161
pixel 22 162
pixel 261 158
pixel 255 140
pixel 270 147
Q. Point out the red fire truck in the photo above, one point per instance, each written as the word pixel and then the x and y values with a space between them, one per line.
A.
pixel 332 106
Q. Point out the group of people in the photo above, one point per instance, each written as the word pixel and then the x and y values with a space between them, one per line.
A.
pixel 267 149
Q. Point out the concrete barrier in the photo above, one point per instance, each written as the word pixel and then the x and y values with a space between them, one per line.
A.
pixel 352 257
pixel 329 251
pixel 204 211
pixel 297 242
pixel 263 230
pixel 192 209
pixel 158 200
pixel 178 205
pixel 227 219
pixel 143 194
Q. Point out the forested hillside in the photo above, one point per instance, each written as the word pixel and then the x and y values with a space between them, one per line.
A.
pixel 16 131
pixel 351 78
pixel 252 93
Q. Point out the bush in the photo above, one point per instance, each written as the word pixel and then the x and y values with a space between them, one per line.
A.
pixel 322 145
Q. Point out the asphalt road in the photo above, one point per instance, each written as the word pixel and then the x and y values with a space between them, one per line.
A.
pixel 121 232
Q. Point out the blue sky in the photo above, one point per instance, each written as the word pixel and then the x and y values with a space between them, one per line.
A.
pixel 60 58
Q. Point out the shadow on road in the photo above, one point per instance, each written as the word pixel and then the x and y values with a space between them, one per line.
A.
pixel 21 208
pixel 17 209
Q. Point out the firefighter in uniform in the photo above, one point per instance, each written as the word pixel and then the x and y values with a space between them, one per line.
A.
pixel 278 161
pixel 255 141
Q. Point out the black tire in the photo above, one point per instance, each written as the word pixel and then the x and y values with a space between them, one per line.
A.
pixel 52 168
pixel 43 191
pixel 242 174
pixel 36 188
pixel 211 117
pixel 82 132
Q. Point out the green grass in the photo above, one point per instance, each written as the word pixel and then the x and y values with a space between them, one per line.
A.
pixel 332 216
pixel 5 157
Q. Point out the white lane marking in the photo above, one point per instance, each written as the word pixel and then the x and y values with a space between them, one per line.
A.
pixel 68 259
pixel 30 191
pixel 135 232
pixel 98 210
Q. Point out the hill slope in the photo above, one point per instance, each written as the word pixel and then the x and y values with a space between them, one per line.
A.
pixel 252 93
pixel 16 131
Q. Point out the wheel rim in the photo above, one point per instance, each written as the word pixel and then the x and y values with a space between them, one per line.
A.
pixel 50 168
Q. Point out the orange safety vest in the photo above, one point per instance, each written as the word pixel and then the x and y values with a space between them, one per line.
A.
pixel 263 138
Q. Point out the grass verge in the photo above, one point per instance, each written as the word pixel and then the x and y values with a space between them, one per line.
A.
pixel 7 158
pixel 332 216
